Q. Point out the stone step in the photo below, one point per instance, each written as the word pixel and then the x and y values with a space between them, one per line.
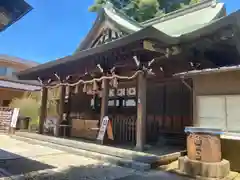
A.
pixel 112 151
pixel 128 155
pixel 107 158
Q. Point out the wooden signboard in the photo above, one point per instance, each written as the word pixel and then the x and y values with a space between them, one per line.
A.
pixel 105 126
pixel 8 118
pixel 5 118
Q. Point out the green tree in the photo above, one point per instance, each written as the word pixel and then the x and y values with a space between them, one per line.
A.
pixel 142 10
pixel 194 1
pixel 30 103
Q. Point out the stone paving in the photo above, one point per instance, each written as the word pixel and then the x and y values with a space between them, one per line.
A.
pixel 21 160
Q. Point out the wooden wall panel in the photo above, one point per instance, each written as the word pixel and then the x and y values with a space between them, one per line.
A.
pixel 84 128
pixel 168 108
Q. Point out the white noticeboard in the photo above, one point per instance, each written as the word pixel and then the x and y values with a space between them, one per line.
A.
pixel 14 117
pixel 211 112
pixel 233 112
pixel 103 128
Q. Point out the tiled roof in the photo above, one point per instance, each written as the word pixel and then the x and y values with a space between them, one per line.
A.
pixel 13 10
pixel 176 23
pixel 18 86
pixel 18 60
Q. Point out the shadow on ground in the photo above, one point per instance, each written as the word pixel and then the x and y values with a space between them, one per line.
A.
pixel 17 167
pixel 13 164
pixel 96 172
pixel 91 172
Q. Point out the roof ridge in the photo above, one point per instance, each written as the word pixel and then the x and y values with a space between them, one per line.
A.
pixel 180 12
pixel 117 11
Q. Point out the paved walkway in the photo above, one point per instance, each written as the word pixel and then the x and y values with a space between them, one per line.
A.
pixel 20 159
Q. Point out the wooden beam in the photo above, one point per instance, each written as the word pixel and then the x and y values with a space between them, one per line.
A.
pixel 167 51
pixel 68 110
pixel 149 45
pixel 61 109
pixel 43 109
pixel 104 104
pixel 104 101
pixel 141 112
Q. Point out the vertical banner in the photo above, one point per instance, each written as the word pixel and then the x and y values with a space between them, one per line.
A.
pixel 103 128
pixel 110 130
pixel 14 117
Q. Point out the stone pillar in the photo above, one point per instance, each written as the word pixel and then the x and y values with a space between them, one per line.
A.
pixel 141 112
pixel 104 101
pixel 204 156
pixel 61 109
pixel 43 109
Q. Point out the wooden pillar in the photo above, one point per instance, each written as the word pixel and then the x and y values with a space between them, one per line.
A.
pixel 68 108
pixel 43 109
pixel 104 101
pixel 141 112
pixel 61 109
pixel 68 111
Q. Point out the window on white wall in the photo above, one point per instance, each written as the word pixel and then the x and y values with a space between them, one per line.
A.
pixel 233 113
pixel 219 112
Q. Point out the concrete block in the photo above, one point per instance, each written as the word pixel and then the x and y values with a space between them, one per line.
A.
pixel 194 168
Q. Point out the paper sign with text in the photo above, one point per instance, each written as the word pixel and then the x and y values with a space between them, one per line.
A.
pixel 103 128
pixel 14 117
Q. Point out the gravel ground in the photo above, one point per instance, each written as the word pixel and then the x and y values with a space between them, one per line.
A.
pixel 21 160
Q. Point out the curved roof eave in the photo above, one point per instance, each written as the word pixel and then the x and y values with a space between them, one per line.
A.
pixel 212 27
pixel 187 19
pixel 97 23
pixel 146 33
pixel 119 19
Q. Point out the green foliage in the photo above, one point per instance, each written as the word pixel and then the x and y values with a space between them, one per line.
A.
pixel 142 10
pixel 30 105
pixel 194 1
pixel 51 103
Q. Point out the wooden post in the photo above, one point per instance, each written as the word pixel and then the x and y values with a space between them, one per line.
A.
pixel 141 112
pixel 104 104
pixel 43 109
pixel 61 109
pixel 104 101
pixel 68 111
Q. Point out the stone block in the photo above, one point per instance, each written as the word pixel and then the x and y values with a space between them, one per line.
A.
pixel 195 168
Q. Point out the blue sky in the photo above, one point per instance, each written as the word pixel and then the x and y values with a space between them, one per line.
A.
pixel 54 29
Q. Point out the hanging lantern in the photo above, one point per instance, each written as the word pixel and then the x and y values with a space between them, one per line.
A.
pixel 85 88
pixel 102 84
pixel 76 90
pixel 100 94
pixel 89 88
pixel 115 82
pixel 111 82
pixel 95 86
pixel 67 90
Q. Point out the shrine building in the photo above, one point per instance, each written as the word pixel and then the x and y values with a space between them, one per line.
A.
pixel 125 70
